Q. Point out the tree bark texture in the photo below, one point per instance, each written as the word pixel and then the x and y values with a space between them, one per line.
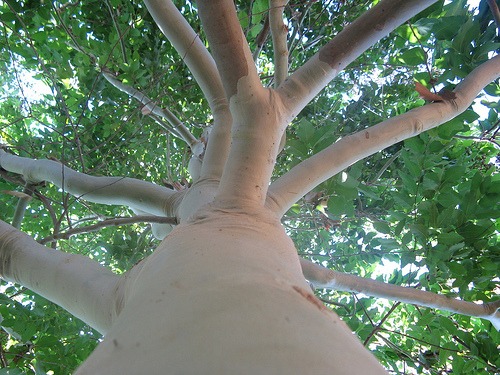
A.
pixel 223 298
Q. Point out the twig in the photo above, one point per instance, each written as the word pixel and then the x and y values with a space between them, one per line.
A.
pixel 379 325
pixel 120 36
pixel 261 38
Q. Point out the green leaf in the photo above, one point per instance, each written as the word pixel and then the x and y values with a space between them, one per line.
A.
pixel 468 31
pixel 413 56
pixel 304 130
pixel 381 227
pixel 451 238
pixel 12 371
pixel 339 206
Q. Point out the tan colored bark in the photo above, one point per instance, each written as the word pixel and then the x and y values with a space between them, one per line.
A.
pixel 302 178
pixel 219 298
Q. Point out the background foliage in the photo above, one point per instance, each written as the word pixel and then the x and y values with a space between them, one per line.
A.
pixel 422 213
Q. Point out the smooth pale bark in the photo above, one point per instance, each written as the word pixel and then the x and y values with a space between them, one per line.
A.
pixel 322 277
pixel 257 120
pixel 80 285
pixel 302 178
pixel 224 294
pixel 279 33
pixel 307 81
pixel 201 64
pixel 145 196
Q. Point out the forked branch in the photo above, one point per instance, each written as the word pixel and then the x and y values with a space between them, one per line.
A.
pixel 256 111
pixel 201 64
pixel 302 178
pixel 228 45
pixel 279 34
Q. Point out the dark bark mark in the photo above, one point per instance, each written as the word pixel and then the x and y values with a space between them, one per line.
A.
pixel 310 297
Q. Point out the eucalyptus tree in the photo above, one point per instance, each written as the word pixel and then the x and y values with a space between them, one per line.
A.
pixel 235 130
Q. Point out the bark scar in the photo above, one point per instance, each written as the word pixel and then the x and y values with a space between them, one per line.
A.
pixel 310 297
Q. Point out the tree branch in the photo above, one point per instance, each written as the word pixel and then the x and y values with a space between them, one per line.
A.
pixel 302 178
pixel 146 196
pixel 307 81
pixel 260 40
pixel 279 33
pixel 78 284
pixel 495 12
pixel 114 222
pixel 229 47
pixel 257 112
pixel 176 127
pixel 192 50
pixel 322 277
pixel 118 31
pixel 201 64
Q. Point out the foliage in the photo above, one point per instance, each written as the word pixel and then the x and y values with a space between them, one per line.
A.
pixel 422 213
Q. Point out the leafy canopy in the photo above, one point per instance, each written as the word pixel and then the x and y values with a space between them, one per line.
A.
pixel 421 213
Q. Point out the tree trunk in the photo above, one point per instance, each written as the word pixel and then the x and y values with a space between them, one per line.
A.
pixel 224 294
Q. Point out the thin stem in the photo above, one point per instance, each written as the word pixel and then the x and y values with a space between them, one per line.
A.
pixel 117 28
pixel 114 222
pixel 176 127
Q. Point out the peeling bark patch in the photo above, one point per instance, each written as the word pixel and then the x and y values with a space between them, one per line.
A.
pixel 310 297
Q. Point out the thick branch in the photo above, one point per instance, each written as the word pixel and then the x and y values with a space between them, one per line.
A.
pixel 148 197
pixel 229 47
pixel 306 82
pixel 201 64
pixel 80 285
pixel 257 121
pixel 290 187
pixel 279 33
pixel 176 127
pixel 322 277
pixel 190 48
pixel 495 12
